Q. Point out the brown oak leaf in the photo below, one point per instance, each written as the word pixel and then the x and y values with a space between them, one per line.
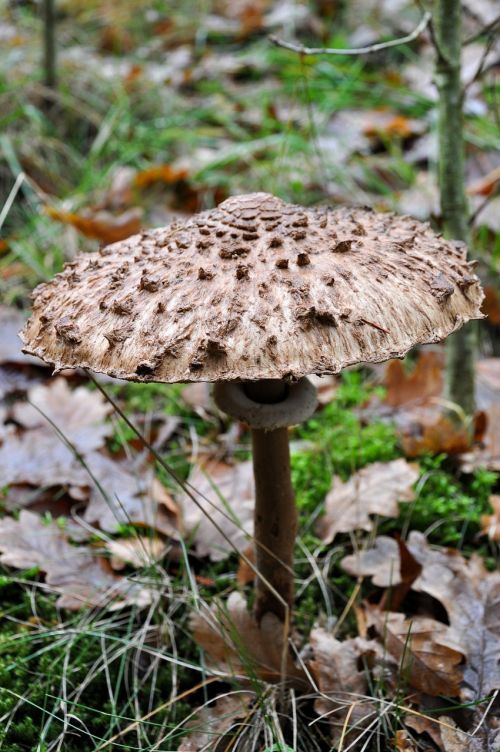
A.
pixel 74 572
pixel 376 489
pixel 225 494
pixel 236 644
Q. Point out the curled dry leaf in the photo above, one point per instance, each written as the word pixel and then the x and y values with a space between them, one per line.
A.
pixel 73 571
pixel 226 496
pixel 424 724
pixel 343 685
pixel 216 723
pixel 428 652
pixel 376 489
pixel 469 593
pixel 78 414
pixel 236 644
pixel 101 225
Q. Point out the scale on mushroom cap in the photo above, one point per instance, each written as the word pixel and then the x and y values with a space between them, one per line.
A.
pixel 254 295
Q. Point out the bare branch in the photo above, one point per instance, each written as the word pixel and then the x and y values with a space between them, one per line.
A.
pixel 488 29
pixel 482 66
pixel 301 50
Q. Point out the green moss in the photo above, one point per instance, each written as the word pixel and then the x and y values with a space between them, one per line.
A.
pixel 448 507
pixel 339 444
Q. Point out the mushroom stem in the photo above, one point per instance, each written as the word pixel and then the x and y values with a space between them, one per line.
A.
pixel 275 522
pixel 269 406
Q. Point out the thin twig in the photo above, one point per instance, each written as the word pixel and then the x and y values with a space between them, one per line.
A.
pixel 301 50
pixel 482 205
pixel 481 68
pixel 485 30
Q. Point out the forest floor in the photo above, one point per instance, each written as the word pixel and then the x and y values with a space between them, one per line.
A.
pixel 123 619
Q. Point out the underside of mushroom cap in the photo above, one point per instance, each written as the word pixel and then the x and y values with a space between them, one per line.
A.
pixel 255 288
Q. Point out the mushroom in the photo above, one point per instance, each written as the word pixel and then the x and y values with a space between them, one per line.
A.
pixel 254 295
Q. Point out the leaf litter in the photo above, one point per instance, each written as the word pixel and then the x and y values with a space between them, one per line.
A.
pixel 225 495
pixel 468 592
pixel 374 490
pixel 81 579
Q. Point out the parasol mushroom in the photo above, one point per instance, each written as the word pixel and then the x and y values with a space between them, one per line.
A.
pixel 254 295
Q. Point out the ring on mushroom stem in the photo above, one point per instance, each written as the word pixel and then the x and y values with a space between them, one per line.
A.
pixel 243 296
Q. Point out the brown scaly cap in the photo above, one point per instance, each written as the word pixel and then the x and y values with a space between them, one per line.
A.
pixel 253 289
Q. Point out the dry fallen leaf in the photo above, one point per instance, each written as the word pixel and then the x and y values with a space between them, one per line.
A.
pixel 487 455
pixel 101 225
pixel 236 644
pixel 486 184
pixel 217 723
pixel 491 304
pixel 127 493
pixel 469 593
pixel 376 489
pixel 78 414
pixel 326 387
pixel 430 432
pixel 414 402
pixel 491 522
pixel 73 571
pixel 428 652
pixel 40 459
pixel 471 597
pixel 198 396
pixel 454 739
pixel 381 562
pixel 403 742
pixel 422 383
pixel 162 173
pixel 139 552
pixel 226 494
pixel 384 125
pixel 424 724
pixel 341 681
pixel 118 492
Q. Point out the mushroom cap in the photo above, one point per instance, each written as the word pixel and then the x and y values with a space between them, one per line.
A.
pixel 255 288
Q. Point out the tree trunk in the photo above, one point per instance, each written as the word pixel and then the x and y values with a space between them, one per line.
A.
pixel 49 43
pixel 461 346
